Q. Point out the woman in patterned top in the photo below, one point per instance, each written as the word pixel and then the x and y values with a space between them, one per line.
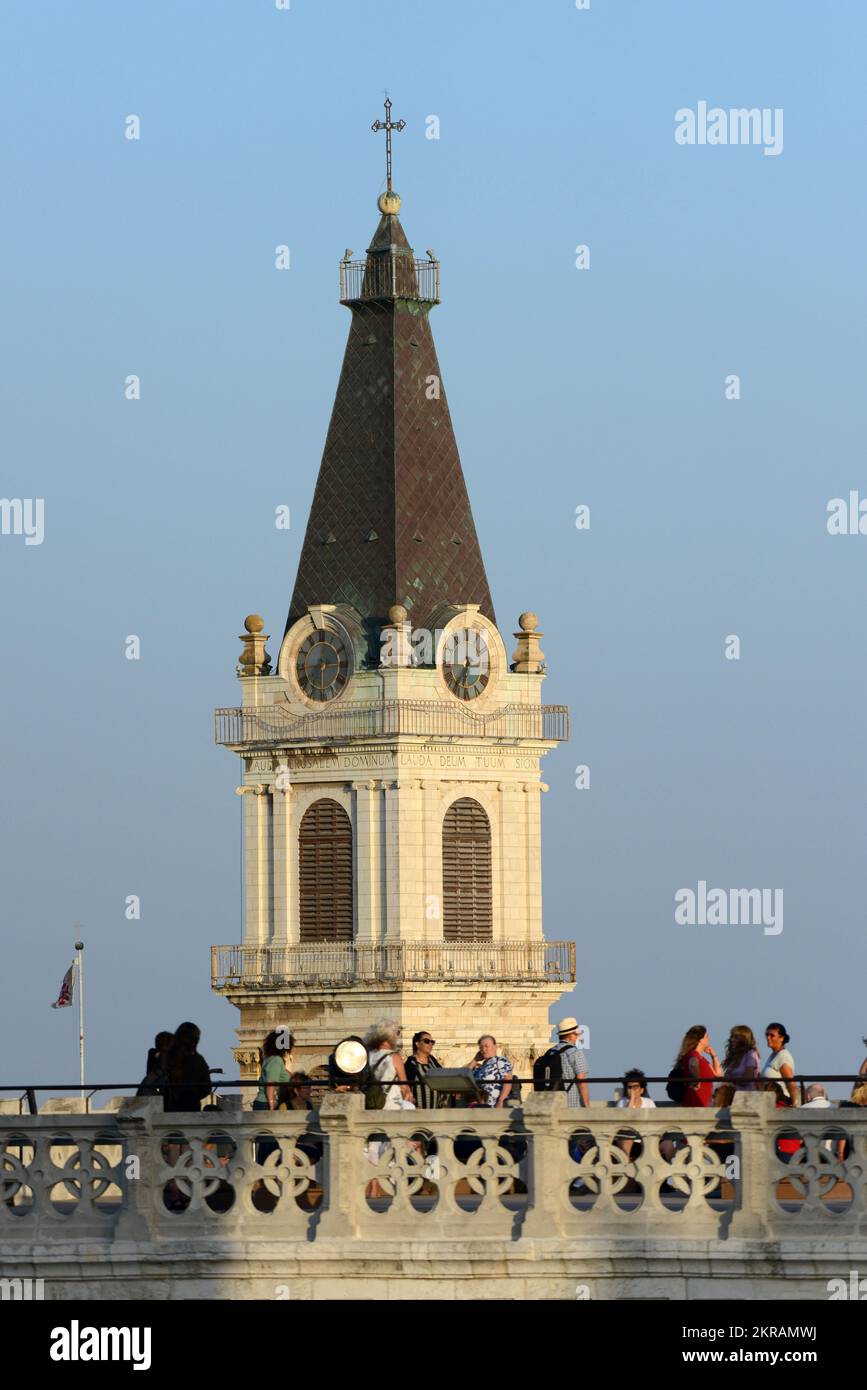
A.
pixel 492 1073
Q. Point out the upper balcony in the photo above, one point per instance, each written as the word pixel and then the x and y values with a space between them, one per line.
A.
pixel 343 965
pixel 394 276
pixel 268 725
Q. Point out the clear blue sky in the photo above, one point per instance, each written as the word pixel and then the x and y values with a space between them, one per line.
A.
pixel 602 387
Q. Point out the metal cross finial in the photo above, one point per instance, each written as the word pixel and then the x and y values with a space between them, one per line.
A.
pixel 388 125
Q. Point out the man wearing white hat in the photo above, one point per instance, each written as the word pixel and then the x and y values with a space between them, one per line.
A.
pixel 573 1063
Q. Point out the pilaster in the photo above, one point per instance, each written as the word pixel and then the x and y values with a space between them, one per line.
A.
pixel 367 845
pixel 284 922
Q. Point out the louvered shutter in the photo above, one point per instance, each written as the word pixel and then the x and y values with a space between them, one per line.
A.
pixel 467 900
pixel 325 873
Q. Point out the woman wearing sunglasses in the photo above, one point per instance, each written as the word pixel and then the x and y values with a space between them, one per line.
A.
pixel 418 1067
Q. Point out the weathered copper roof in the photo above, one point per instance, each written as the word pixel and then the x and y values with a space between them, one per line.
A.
pixel 390 520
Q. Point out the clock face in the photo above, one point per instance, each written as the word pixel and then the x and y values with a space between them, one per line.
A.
pixel 466 663
pixel 323 665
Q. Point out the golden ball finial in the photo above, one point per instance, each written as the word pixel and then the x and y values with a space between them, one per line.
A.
pixel 528 622
pixel 397 614
pixel 253 623
pixel 389 203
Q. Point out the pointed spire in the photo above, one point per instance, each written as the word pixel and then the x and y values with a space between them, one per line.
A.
pixel 390 470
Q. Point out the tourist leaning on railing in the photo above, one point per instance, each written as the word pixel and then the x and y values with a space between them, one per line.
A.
pixel 634 1097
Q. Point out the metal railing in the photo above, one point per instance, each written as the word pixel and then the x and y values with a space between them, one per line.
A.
pixel 322 1084
pixel 268 724
pixel 321 963
pixel 390 277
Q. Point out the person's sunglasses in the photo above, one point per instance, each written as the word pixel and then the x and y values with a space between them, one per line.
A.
pixel 428 1040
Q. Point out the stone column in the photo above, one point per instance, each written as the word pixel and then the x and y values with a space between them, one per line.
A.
pixel 343 1120
pixel 391 837
pixel 754 1187
pixel 410 857
pixel 257 865
pixel 366 845
pixel 285 928
pixel 533 861
pixel 550 1165
pixel 507 831
pixel 432 866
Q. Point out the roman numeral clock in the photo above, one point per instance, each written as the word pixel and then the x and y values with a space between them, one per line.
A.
pixel 390 761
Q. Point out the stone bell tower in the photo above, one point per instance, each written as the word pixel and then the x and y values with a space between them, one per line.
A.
pixel 391 758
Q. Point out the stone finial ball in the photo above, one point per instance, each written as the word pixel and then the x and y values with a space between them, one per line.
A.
pixel 388 203
pixel 528 622
pixel 253 623
pixel 397 614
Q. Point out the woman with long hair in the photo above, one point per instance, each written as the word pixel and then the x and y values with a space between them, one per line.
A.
pixel 273 1075
pixel 693 1065
pixel 274 1053
pixel 742 1063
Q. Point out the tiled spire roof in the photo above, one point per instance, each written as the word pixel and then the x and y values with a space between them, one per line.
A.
pixel 390 520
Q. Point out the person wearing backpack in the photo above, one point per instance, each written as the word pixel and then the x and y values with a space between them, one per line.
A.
pixel 386 1066
pixel 564 1067
pixel 696 1067
pixel 155 1072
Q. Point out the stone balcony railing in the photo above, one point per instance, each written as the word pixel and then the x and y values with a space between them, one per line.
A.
pixel 453 1203
pixel 266 725
pixel 459 962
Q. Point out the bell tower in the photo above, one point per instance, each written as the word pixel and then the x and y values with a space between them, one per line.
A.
pixel 391 758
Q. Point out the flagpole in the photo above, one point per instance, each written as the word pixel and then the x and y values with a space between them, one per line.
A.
pixel 79 946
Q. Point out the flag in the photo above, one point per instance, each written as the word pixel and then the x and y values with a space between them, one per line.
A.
pixel 64 998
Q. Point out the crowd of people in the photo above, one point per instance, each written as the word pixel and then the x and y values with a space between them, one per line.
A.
pixel 178 1073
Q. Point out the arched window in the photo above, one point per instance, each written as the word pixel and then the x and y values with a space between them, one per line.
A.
pixel 325 873
pixel 467 904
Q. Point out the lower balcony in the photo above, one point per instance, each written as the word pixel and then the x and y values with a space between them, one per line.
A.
pixel 329 965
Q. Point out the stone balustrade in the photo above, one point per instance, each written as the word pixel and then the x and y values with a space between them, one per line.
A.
pixel 538 1202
